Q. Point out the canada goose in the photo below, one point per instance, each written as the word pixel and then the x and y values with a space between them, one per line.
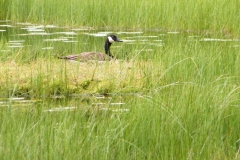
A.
pixel 89 56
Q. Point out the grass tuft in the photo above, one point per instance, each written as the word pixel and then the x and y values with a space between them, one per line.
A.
pixel 41 78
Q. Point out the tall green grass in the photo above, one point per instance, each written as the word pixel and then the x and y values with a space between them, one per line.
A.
pixel 186 93
pixel 155 128
pixel 4 12
pixel 218 16
pixel 186 106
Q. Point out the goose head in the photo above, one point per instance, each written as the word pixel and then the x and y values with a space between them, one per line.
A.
pixel 113 38
pixel 109 41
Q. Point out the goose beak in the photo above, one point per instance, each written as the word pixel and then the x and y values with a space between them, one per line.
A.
pixel 119 40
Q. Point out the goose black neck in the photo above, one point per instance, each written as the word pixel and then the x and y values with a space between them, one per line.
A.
pixel 107 48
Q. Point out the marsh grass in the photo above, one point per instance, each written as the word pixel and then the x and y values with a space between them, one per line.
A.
pixel 216 16
pixel 41 78
pixel 173 115
pixel 153 129
pixel 4 13
pixel 182 99
pixel 186 104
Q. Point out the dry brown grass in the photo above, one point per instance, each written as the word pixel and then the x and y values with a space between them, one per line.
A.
pixel 62 76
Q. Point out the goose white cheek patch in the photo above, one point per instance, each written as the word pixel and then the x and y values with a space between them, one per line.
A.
pixel 110 39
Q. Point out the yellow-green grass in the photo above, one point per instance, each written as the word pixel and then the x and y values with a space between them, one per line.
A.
pixel 180 121
pixel 42 78
pixel 188 94
pixel 187 106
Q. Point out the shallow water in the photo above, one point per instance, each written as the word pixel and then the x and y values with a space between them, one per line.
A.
pixel 112 104
pixel 63 40
pixel 49 37
pixel 52 41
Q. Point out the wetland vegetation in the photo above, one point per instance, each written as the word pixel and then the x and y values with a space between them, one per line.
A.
pixel 172 93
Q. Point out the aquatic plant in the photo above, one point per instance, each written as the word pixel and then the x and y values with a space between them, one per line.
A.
pixel 219 16
pixel 173 93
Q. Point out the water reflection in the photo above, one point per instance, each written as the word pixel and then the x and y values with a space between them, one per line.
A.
pixel 173 32
pixel 99 34
pixel 114 103
pixel 218 40
pixel 17 102
pixel 50 33
pixel 49 38
pixel 122 32
pixel 60 109
pixel 77 40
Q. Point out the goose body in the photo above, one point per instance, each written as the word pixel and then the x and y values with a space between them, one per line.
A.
pixel 95 56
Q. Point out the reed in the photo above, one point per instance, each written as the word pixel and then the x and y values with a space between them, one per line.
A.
pixel 180 101
pixel 218 16
pixel 192 126
pixel 186 106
